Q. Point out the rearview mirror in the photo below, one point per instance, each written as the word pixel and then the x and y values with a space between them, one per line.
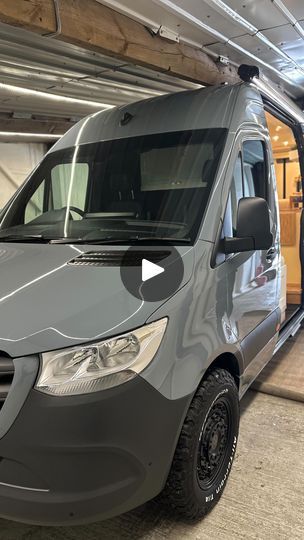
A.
pixel 253 227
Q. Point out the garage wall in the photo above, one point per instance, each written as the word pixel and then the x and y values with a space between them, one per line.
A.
pixel 16 162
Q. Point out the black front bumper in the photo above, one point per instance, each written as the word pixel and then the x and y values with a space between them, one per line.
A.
pixel 70 460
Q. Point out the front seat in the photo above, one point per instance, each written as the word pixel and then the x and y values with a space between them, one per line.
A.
pixel 123 192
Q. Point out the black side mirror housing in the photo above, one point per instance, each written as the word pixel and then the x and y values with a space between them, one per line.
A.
pixel 253 227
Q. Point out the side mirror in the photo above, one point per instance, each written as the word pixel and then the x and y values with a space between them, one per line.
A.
pixel 253 227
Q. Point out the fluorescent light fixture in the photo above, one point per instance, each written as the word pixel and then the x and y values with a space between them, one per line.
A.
pixel 30 135
pixel 54 97
pixel 234 15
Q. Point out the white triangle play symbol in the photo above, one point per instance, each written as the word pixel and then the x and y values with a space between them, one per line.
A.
pixel 150 270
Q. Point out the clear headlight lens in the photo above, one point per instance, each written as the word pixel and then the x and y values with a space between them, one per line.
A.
pixel 81 370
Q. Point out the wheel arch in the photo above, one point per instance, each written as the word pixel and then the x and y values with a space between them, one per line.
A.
pixel 229 362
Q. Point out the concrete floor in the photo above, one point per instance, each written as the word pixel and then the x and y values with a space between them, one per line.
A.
pixel 264 498
pixel 284 374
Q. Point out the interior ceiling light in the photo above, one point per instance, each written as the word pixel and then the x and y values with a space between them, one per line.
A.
pixel 285 143
pixel 30 135
pixel 54 97
pixel 278 128
pixel 276 138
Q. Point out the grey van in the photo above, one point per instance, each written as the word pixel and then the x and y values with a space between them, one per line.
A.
pixel 108 399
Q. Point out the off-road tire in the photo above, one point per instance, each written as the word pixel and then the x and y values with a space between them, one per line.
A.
pixel 191 490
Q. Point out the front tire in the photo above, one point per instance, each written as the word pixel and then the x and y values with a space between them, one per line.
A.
pixel 206 447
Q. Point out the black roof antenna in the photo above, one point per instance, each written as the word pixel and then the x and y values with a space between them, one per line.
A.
pixel 127 117
pixel 246 73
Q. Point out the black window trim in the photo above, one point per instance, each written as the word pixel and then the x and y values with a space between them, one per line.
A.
pixel 259 137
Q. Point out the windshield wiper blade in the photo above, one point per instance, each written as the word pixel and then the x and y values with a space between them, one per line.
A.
pixel 160 240
pixel 132 240
pixel 24 238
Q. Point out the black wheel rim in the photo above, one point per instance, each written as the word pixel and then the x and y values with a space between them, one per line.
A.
pixel 214 443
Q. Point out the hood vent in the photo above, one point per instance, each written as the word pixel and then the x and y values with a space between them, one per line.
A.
pixel 119 258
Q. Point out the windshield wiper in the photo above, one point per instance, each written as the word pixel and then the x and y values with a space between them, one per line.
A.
pixel 25 238
pixel 132 240
pixel 160 240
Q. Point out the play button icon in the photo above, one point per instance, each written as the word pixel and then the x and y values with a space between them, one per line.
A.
pixel 149 270
pixel 152 273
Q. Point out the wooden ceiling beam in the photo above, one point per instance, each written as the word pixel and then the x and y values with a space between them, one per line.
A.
pixel 95 27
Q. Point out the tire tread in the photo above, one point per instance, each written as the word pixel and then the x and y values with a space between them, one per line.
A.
pixel 177 491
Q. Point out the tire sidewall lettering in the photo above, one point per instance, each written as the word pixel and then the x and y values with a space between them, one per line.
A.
pixel 221 485
pixel 216 492
pixel 223 482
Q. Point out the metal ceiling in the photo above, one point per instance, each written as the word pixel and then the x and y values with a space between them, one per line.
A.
pixel 41 78
pixel 47 85
pixel 27 59
pixel 268 33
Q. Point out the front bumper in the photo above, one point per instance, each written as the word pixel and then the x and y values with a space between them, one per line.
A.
pixel 78 459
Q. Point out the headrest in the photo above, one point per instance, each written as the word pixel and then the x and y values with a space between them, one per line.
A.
pixel 260 168
pixel 120 182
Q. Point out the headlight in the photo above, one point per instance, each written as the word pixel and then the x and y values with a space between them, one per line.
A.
pixel 81 370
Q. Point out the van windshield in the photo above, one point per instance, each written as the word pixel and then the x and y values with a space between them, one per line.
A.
pixel 152 187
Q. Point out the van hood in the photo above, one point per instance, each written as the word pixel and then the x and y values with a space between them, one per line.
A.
pixel 48 304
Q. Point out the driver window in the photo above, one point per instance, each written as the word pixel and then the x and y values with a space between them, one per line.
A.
pixel 255 170
pixel 249 180
pixel 236 193
pixel 62 178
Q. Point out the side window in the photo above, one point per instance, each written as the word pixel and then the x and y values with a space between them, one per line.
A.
pixel 236 193
pixel 59 188
pixel 255 170
pixel 34 207
pixel 61 178
pixel 249 180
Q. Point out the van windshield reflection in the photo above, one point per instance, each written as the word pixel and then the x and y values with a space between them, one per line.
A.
pixel 152 187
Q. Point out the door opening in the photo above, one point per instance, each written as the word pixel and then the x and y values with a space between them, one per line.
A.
pixel 289 186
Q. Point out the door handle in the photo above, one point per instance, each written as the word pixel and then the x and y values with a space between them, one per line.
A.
pixel 271 253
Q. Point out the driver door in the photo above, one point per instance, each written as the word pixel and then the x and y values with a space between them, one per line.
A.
pixel 252 276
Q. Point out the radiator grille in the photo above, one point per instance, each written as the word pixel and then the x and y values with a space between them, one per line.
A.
pixel 6 378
